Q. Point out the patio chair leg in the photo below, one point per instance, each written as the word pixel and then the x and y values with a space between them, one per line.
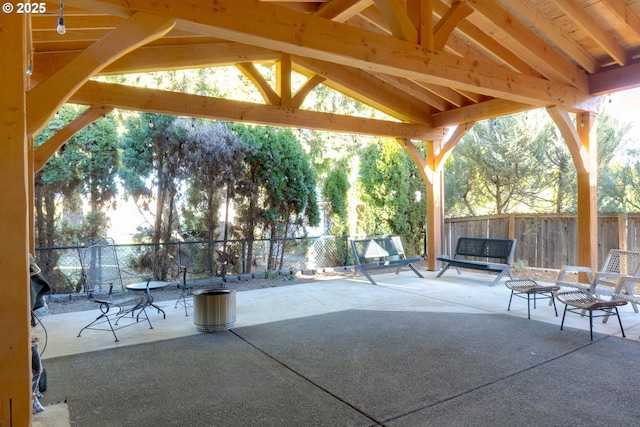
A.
pixel 563 316
pixel 529 305
pixel 619 321
pixel 510 298
pixel 591 323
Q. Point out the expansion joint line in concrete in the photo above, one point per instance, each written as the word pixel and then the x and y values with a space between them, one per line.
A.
pixel 309 380
pixel 480 387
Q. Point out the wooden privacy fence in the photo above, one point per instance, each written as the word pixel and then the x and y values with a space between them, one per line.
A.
pixel 546 240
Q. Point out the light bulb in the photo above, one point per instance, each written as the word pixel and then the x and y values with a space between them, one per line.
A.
pixel 61 29
pixel 29 70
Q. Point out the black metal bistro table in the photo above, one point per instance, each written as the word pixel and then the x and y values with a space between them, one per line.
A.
pixel 148 287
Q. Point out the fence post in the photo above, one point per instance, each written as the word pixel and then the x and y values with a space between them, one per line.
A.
pixel 512 226
pixel 622 231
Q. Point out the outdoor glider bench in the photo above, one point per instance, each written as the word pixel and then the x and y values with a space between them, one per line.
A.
pixel 379 253
pixel 482 254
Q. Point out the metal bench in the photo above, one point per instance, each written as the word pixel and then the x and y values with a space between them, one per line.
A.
pixel 477 254
pixel 380 253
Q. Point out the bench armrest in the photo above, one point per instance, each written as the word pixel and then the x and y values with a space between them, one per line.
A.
pixel 625 285
pixel 575 269
pixel 608 279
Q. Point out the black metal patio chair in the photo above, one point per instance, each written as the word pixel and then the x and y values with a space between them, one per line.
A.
pixel 102 279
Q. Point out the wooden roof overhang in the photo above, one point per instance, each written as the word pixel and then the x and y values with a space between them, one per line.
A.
pixel 426 64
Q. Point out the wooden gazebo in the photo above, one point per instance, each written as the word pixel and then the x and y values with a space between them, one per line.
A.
pixel 429 64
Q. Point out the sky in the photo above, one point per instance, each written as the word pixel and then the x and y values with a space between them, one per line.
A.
pixel 625 107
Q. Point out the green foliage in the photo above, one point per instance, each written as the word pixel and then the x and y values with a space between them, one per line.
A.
pixel 502 166
pixel 390 188
pixel 521 163
pixel 215 160
pixel 280 192
pixel 334 192
pixel 153 170
pixel 617 167
pixel 85 166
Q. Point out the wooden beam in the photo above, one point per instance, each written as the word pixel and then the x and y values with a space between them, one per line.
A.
pixel 418 159
pixel 528 11
pixel 483 45
pixel 421 14
pixel 593 29
pixel 579 152
pixel 15 225
pixel 283 80
pixel 440 157
pixel 157 101
pixel 447 23
pixel 251 72
pixel 342 10
pixel 477 112
pixel 44 152
pixel 305 89
pixel 253 23
pixel 156 58
pixel 624 13
pixel 524 42
pixel 48 96
pixel 615 79
pixel 396 16
pixel 429 94
pixel 368 89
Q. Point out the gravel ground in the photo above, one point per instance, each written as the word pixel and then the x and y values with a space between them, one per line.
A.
pixel 81 303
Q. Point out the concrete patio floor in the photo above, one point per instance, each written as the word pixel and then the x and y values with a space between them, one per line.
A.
pixel 339 301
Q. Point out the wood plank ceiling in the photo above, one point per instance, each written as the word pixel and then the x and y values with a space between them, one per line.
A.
pixel 426 63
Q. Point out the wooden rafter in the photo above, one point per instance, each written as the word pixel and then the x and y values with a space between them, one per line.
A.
pixel 342 10
pixel 521 40
pixel 449 21
pixel 45 99
pixel 396 16
pixel 595 31
pixel 366 88
pixel 624 13
pixel 555 32
pixel 313 37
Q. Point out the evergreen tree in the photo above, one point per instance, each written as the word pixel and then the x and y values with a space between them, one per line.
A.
pixel 390 190
pixel 152 172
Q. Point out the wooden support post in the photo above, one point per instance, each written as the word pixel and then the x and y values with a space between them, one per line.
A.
pixel 434 185
pixel 15 329
pixel 583 146
pixel 588 194
pixel 435 218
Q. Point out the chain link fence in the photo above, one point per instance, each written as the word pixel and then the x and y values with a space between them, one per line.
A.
pixel 258 258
